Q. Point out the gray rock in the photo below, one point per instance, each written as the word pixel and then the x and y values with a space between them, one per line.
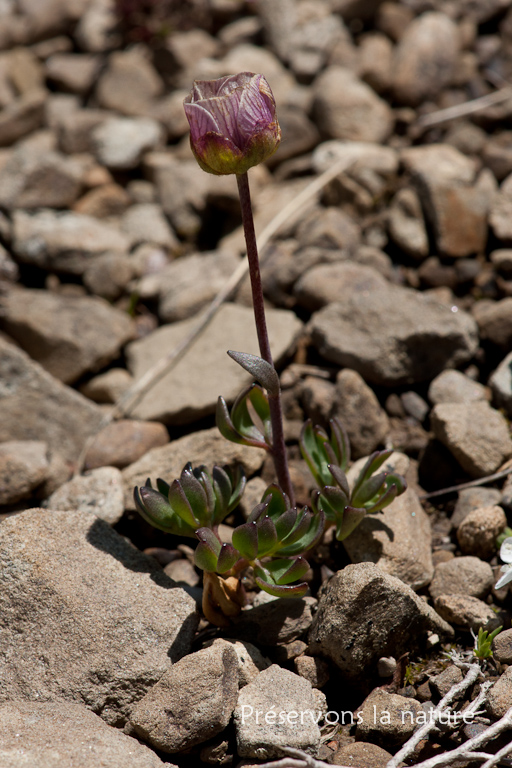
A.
pixel 21 117
pixel 74 127
pixel 393 335
pixel 346 108
pixel 62 241
pixel 445 680
pixel 361 753
pixel 98 28
pixel 32 180
pixel 275 621
pixel 501 211
pixel 66 734
pixel 387 719
pixel 359 156
pixel 495 321
pixel 407 225
pixel 190 390
pixel 23 466
pixel 467 612
pixel 187 284
pixel 473 498
pixel 462 576
pixel 499 698
pixel 67 335
pixel 146 223
pixel 327 283
pixel 501 385
pixel 455 200
pixel 312 668
pixel 34 403
pixel 399 538
pixel 123 442
pixel 360 412
pixel 455 387
pixel 182 190
pixel 99 492
pixel 192 702
pixel 300 135
pixel 365 614
pixel 129 83
pixel 476 435
pixel 502 647
pixel 425 58
pixel 74 72
pixel 108 626
pixel 107 387
pixel 250 660
pixel 479 530
pixel 288 715
pixel 375 61
pixel 204 447
pixel 329 228
pixel 120 142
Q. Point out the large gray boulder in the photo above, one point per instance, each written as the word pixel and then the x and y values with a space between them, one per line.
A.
pixel 84 615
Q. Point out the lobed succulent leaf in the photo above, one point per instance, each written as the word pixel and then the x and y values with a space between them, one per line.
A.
pixel 245 539
pixel 228 556
pixel 157 511
pixel 267 536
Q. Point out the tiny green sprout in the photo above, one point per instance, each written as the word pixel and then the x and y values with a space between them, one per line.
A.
pixel 483 643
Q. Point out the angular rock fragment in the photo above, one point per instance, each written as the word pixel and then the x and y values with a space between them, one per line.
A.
pixel 84 615
pixel 62 241
pixel 100 493
pixel 462 576
pixel 455 199
pixel 66 734
pixel 288 714
pixel 393 335
pixel 67 335
pixel 476 435
pixel 192 702
pixel 365 614
pixel 33 403
pixel 23 466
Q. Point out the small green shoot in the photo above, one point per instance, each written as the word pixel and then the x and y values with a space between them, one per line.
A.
pixel 483 643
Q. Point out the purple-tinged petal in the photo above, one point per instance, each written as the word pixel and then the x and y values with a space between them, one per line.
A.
pixel 201 121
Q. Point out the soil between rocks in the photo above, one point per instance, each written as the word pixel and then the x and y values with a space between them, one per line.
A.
pixel 390 306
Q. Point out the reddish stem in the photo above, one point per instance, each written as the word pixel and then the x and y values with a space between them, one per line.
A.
pixel 274 401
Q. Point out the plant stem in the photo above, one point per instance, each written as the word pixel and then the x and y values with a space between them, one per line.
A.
pixel 274 401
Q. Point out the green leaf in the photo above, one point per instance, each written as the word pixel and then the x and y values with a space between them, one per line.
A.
pixel 349 521
pixel 340 477
pixel 196 497
pixel 368 490
pixel 285 523
pixel 264 373
pixel 375 461
pixel 286 570
pixel 340 443
pixel 298 590
pixel 156 510
pixel 267 536
pixel 245 539
pixel 227 558
pixel 181 506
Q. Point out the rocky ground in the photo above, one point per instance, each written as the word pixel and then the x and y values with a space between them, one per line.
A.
pixel 390 306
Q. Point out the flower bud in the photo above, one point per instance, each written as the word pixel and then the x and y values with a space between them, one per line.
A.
pixel 232 121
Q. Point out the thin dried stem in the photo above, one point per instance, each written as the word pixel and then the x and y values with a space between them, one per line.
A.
pixel 454 692
pixel 470 484
pixel 129 400
pixel 467 108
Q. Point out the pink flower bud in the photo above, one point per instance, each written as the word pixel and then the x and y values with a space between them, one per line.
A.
pixel 233 123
